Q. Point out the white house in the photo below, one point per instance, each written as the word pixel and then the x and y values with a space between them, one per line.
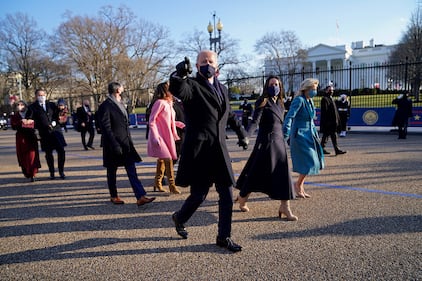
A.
pixel 329 64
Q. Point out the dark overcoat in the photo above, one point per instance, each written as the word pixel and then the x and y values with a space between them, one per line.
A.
pixel 403 112
pixel 83 117
pixel 47 124
pixel 118 148
pixel 267 169
pixel 329 118
pixel 204 158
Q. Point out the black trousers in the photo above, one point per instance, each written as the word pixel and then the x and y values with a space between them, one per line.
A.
pixel 61 158
pixel 198 193
pixel 333 136
pixel 91 133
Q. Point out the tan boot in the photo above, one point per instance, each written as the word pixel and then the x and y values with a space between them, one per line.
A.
pixel 285 211
pixel 170 176
pixel 159 174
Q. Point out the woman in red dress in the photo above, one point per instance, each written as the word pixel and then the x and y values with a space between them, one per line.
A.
pixel 26 142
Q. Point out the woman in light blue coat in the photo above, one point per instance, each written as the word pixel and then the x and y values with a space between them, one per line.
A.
pixel 299 129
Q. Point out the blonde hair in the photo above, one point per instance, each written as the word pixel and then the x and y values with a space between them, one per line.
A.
pixel 307 84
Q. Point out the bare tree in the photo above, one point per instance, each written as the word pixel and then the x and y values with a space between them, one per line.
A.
pixel 285 51
pixel 21 45
pixel 114 46
pixel 144 64
pixel 409 49
pixel 197 41
pixel 93 45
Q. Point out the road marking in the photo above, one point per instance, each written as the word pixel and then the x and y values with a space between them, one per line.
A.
pixel 366 190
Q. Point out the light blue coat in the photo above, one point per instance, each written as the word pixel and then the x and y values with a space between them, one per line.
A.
pixel 299 128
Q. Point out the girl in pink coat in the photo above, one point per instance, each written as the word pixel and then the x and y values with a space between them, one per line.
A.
pixel 163 136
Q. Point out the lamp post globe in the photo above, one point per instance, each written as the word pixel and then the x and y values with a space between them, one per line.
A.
pixel 214 40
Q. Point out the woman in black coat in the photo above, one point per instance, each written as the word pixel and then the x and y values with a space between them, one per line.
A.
pixel 267 169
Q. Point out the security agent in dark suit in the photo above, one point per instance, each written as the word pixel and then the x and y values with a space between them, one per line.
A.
pixel 85 118
pixel 205 159
pixel 46 119
pixel 118 148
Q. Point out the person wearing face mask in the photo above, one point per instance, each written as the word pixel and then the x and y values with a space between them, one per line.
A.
pixel 118 148
pixel 26 141
pixel 302 135
pixel 329 124
pixel 46 119
pixel 85 118
pixel 204 159
pixel 267 169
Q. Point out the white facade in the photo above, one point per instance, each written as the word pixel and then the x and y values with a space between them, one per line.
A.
pixel 322 58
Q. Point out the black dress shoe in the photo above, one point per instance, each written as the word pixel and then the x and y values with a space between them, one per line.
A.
pixel 180 228
pixel 86 147
pixel 338 152
pixel 229 244
pixel 52 177
pixel 62 176
pixel 90 146
pixel 326 152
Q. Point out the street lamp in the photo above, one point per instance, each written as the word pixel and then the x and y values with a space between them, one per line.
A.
pixel 211 29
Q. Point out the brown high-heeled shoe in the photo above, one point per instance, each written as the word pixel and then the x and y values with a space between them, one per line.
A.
pixel 242 203
pixel 284 211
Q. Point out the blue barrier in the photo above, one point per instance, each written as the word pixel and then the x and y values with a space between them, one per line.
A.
pixel 358 117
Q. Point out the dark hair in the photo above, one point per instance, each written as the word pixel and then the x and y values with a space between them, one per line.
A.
pixel 161 92
pixel 39 90
pixel 264 97
pixel 112 87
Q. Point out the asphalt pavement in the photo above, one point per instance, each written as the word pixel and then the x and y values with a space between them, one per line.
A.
pixel 363 222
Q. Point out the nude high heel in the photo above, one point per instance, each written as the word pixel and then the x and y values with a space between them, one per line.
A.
pixel 242 203
pixel 298 192
pixel 285 211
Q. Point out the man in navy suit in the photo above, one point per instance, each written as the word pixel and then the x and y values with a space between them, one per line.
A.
pixel 46 119
pixel 204 158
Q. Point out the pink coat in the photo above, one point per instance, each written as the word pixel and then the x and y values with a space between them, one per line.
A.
pixel 162 130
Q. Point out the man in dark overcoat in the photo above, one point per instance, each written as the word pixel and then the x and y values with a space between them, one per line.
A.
pixel 46 119
pixel 329 121
pixel 402 114
pixel 118 148
pixel 205 159
pixel 86 121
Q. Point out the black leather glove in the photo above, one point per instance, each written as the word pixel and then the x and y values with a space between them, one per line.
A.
pixel 243 143
pixel 184 68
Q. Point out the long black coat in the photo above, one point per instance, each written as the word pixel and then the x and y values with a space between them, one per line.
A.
pixel 329 118
pixel 403 112
pixel 267 169
pixel 83 117
pixel 47 124
pixel 118 148
pixel 204 159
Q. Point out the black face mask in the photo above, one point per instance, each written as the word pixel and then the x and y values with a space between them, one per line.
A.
pixel 207 70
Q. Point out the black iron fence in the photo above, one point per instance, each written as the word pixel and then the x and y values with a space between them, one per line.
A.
pixel 373 85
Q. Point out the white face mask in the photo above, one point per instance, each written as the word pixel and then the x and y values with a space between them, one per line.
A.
pixel 41 99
